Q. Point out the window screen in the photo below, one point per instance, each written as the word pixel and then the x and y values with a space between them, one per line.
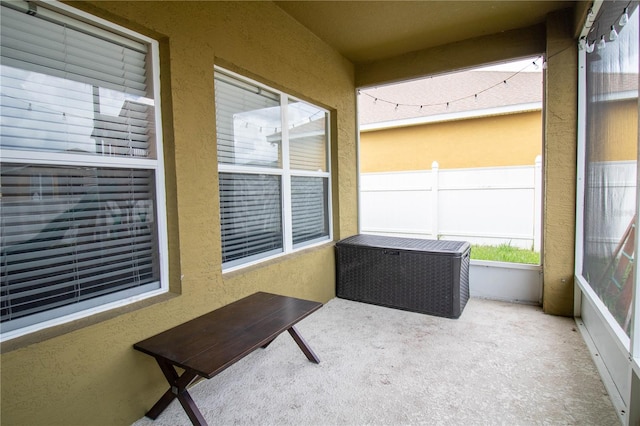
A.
pixel 611 153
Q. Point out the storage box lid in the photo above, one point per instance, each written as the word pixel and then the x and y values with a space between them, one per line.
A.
pixel 441 247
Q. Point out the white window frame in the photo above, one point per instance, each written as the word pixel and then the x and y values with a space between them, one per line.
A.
pixel 105 29
pixel 285 172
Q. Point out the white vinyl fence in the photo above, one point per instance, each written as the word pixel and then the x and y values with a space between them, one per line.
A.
pixel 493 205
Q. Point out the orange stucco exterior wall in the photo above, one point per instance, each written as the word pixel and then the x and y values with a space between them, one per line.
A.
pixel 501 140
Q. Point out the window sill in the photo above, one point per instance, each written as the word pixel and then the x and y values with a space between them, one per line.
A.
pixel 59 330
pixel 282 257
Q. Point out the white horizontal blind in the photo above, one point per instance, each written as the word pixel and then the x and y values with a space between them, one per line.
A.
pixel 269 203
pixel 72 234
pixel 250 215
pixel 248 124
pixel 75 236
pixel 309 208
pixel 67 91
pixel 307 137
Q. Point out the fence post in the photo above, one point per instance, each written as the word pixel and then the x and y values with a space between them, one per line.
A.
pixel 537 205
pixel 434 200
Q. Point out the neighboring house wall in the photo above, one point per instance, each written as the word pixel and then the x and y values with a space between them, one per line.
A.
pixel 500 140
pixel 618 125
pixel 87 373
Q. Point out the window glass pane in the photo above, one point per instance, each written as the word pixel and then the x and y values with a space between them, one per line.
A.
pixel 248 124
pixel 610 170
pixel 58 95
pixel 250 216
pixel 307 137
pixel 309 205
pixel 249 134
pixel 70 234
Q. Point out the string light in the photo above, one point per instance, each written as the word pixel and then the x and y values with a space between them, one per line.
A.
pixel 624 19
pixel 582 43
pixel 599 40
pixel 504 82
pixel 589 47
pixel 262 128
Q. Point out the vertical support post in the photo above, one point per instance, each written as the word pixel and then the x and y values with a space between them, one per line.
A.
pixel 435 231
pixel 537 205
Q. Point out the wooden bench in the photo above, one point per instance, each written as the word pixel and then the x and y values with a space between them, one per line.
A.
pixel 206 345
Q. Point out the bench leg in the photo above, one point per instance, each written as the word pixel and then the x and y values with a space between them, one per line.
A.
pixel 178 385
pixel 311 356
pixel 267 344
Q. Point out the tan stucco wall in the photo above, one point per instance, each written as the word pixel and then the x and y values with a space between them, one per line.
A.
pixel 492 48
pixel 91 375
pixel 561 93
pixel 501 140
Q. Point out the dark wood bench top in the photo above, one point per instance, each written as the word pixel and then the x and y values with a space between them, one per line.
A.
pixel 212 342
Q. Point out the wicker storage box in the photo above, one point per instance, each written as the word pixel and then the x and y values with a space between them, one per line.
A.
pixel 426 276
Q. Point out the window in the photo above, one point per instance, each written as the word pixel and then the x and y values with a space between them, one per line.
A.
pixel 610 164
pixel 273 164
pixel 82 192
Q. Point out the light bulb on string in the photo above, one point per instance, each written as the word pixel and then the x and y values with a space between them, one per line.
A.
pixel 613 35
pixel 396 108
pixel 589 47
pixel 602 43
pixel 535 65
pixel 624 18
pixel 582 43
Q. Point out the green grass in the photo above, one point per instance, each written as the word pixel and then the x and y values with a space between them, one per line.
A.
pixel 505 253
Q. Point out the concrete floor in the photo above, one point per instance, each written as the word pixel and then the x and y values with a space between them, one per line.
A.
pixel 499 363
